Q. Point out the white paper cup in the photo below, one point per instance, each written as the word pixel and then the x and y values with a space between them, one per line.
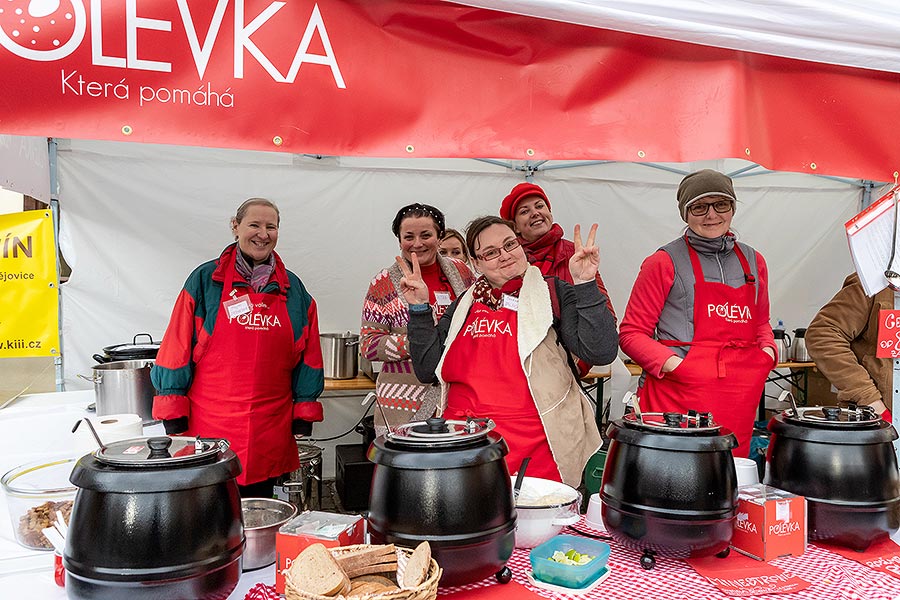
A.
pixel 747 474
pixel 593 518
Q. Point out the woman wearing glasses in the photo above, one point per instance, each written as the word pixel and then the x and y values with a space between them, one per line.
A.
pixel 496 350
pixel 697 320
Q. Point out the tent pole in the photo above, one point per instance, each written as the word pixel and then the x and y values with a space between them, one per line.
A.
pixel 54 210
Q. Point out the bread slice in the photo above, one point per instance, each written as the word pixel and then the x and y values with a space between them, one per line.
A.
pixel 315 571
pixel 372 559
pixel 416 571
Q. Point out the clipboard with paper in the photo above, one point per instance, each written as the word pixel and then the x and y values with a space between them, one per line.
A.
pixel 872 236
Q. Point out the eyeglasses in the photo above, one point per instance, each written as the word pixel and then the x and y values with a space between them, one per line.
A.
pixel 720 206
pixel 495 252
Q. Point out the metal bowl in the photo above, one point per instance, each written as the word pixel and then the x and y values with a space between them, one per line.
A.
pixel 262 519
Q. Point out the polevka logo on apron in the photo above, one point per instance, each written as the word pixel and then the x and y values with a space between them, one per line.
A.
pixel 732 313
pixel 257 321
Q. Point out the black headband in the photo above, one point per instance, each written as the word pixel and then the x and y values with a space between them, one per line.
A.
pixel 417 209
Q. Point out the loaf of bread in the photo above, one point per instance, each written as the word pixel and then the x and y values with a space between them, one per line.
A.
pixel 316 571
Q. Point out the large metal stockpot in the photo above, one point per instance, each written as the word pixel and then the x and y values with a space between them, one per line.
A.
pixel 155 518
pixel 445 482
pixel 669 485
pixel 340 355
pixel 842 460
pixel 123 387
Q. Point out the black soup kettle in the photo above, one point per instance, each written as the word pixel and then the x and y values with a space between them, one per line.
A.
pixel 669 485
pixel 156 517
pixel 445 482
pixel 842 460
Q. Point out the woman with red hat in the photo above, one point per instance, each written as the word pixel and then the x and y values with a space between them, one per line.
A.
pixel 528 207
pixel 697 320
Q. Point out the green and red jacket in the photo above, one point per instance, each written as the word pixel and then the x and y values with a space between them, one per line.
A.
pixel 192 326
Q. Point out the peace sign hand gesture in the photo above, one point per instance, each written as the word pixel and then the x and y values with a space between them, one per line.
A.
pixel 412 286
pixel 585 263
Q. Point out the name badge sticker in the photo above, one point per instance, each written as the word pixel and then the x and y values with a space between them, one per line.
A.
pixel 237 306
pixel 510 302
pixel 442 298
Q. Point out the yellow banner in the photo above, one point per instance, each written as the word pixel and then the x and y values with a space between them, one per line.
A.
pixel 29 298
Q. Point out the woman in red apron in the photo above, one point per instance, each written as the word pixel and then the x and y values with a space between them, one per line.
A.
pixel 697 320
pixel 240 359
pixel 499 351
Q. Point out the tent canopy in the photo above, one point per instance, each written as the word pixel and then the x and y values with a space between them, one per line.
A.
pixel 240 99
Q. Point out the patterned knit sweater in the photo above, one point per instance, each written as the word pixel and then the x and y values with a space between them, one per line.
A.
pixel 385 315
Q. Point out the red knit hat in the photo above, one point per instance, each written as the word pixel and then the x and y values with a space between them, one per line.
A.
pixel 516 195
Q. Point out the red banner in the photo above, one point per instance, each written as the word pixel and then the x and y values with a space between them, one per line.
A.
pixel 425 78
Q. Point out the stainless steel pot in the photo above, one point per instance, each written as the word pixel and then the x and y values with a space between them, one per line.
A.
pixel 340 355
pixel 123 386
pixel 300 482
pixel 132 351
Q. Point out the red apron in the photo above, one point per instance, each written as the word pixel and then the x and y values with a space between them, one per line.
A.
pixel 242 385
pixel 725 370
pixel 477 389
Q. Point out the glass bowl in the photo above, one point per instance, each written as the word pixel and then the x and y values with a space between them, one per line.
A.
pixel 34 492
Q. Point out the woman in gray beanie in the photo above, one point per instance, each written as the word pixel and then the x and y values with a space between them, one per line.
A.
pixel 697 320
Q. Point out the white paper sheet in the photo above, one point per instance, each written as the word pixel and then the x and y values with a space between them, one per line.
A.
pixel 871 235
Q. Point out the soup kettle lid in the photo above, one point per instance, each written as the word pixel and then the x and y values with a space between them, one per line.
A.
pixel 851 425
pixel 161 451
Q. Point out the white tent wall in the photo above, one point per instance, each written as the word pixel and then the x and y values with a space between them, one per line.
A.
pixel 136 219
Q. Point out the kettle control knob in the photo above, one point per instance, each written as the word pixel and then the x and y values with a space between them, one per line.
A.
pixel 433 425
pixel 159 447
pixel 832 413
pixel 437 425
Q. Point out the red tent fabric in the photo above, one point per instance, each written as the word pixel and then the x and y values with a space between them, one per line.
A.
pixel 403 78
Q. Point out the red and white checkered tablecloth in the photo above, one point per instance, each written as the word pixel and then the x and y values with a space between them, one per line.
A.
pixel 832 577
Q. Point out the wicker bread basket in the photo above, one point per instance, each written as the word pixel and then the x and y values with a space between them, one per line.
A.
pixel 427 590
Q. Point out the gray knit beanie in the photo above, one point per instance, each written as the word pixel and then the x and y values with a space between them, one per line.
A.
pixel 702 184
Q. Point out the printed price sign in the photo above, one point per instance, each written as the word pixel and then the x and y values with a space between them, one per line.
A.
pixel 888 334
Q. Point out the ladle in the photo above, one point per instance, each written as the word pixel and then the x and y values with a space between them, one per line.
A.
pixel 93 431
pixel 521 476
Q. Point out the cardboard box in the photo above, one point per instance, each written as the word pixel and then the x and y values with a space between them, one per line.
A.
pixel 311 527
pixel 769 523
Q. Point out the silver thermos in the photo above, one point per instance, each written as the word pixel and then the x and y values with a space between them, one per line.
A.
pixel 798 348
pixel 783 343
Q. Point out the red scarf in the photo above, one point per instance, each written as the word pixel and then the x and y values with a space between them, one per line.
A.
pixel 550 253
pixel 483 292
